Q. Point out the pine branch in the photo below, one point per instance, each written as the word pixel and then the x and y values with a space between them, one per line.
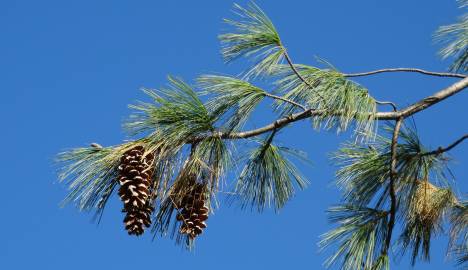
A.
pixel 294 69
pixel 268 177
pixel 441 150
pixel 328 90
pixel 364 176
pixel 406 112
pixel 377 176
pixel 393 175
pixel 412 70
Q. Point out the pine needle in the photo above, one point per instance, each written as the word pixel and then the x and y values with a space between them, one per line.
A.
pixel 455 38
pixel 343 101
pixel 268 178
pixel 254 35
pixel 360 235
pixel 232 100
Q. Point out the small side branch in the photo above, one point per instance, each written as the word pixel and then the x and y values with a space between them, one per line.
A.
pixel 294 69
pixel 441 150
pixel 414 70
pixel 387 103
pixel 393 176
pixel 406 112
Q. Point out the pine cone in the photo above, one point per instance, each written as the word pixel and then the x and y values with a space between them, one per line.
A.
pixel 135 177
pixel 193 212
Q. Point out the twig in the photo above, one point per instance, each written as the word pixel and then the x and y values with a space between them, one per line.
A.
pixel 387 103
pixel 177 209
pixel 431 100
pixel 96 145
pixel 286 100
pixel 441 150
pixel 393 175
pixel 291 64
pixel 415 70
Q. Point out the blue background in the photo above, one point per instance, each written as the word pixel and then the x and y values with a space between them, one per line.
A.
pixel 68 69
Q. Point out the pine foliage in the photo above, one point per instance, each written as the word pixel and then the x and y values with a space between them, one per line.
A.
pixel 343 101
pixel 233 100
pixel 360 234
pixel 364 178
pixel 90 174
pixel 455 38
pixel 268 178
pixel 181 151
pixel 255 36
pixel 177 113
pixel 459 233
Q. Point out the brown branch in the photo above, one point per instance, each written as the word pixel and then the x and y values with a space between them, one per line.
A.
pixel 393 176
pixel 415 70
pixel 406 112
pixel 441 150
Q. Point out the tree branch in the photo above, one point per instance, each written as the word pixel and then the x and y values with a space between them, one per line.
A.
pixel 406 112
pixel 393 175
pixel 291 64
pixel 437 97
pixel 415 70
pixel 441 150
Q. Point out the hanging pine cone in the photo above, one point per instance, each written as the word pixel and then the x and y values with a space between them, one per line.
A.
pixel 135 177
pixel 193 212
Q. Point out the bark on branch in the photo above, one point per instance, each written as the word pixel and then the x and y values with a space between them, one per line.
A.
pixel 393 176
pixel 406 112
pixel 415 70
pixel 441 150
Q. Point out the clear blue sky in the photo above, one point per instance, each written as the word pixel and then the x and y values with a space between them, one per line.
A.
pixel 69 69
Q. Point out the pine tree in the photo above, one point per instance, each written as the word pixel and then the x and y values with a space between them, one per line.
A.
pixel 396 193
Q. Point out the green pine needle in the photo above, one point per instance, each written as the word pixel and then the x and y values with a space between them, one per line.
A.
pixel 91 174
pixel 343 101
pixel 268 178
pixel 232 99
pixel 360 235
pixel 364 178
pixel 210 160
pixel 205 164
pixel 365 169
pixel 254 36
pixel 459 233
pixel 176 115
pixel 455 38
